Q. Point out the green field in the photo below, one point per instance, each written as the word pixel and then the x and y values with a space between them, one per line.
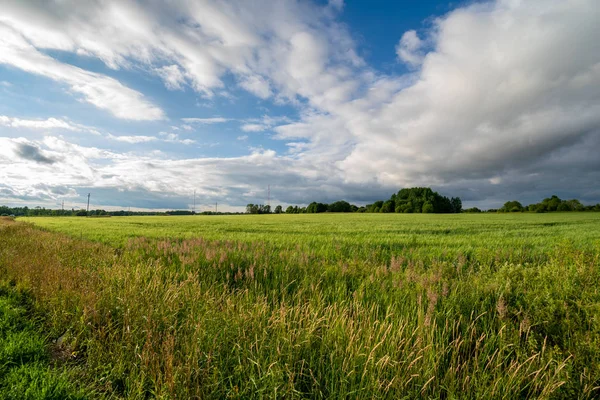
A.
pixel 386 234
pixel 320 306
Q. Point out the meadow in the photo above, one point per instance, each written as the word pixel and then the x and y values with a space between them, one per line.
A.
pixel 317 306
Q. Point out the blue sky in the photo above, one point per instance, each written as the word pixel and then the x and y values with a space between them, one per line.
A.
pixel 140 104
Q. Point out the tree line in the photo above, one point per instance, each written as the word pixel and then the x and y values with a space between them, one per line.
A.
pixel 412 200
pixel 550 204
pixel 47 212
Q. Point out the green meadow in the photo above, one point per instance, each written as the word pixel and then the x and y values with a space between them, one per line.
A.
pixel 318 306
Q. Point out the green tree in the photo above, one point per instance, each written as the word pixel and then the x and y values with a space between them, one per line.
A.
pixel 427 208
pixel 388 207
pixel 456 204
pixel 511 206
pixel 340 206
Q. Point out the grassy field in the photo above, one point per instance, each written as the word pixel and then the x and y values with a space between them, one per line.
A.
pixel 319 306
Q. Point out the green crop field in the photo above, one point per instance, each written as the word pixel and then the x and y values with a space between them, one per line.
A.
pixel 430 234
pixel 318 306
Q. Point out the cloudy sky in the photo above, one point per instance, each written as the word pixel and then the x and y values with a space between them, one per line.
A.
pixel 141 103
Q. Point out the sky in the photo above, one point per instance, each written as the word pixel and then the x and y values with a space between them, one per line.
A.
pixel 143 103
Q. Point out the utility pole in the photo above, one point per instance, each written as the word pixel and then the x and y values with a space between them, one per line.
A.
pixel 194 209
pixel 88 206
pixel 269 197
pixel 63 206
pixel 216 207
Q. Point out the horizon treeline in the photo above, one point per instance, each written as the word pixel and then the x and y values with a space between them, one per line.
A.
pixel 411 200
pixel 549 204
pixel 48 212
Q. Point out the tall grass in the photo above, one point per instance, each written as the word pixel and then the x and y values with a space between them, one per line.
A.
pixel 25 356
pixel 344 317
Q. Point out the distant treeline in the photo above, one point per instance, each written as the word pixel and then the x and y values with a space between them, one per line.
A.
pixel 47 212
pixel 413 200
pixel 425 200
pixel 549 204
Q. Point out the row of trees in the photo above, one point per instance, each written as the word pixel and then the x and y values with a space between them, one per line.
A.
pixel 47 212
pixel 425 200
pixel 260 209
pixel 313 208
pixel 413 200
pixel 549 204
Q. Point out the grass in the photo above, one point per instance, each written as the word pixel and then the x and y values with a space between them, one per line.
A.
pixel 320 306
pixel 25 371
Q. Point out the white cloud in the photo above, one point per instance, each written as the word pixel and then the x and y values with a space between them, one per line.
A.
pixel 133 139
pixel 410 49
pixel 174 138
pixel 242 138
pixel 100 90
pixel 198 42
pixel 172 76
pixel 264 123
pixel 50 123
pixel 253 127
pixel 257 85
pixel 227 180
pixel 205 121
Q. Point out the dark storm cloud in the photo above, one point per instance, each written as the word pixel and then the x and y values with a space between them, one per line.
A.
pixel 32 153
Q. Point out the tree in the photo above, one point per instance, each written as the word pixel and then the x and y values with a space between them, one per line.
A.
pixel 511 206
pixel 414 200
pixel 456 204
pixel 427 208
pixel 388 207
pixel 315 207
pixel 555 203
pixel 375 207
pixel 258 209
pixel 552 203
pixel 289 210
pixel 340 206
pixel 278 210
pixel 575 205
